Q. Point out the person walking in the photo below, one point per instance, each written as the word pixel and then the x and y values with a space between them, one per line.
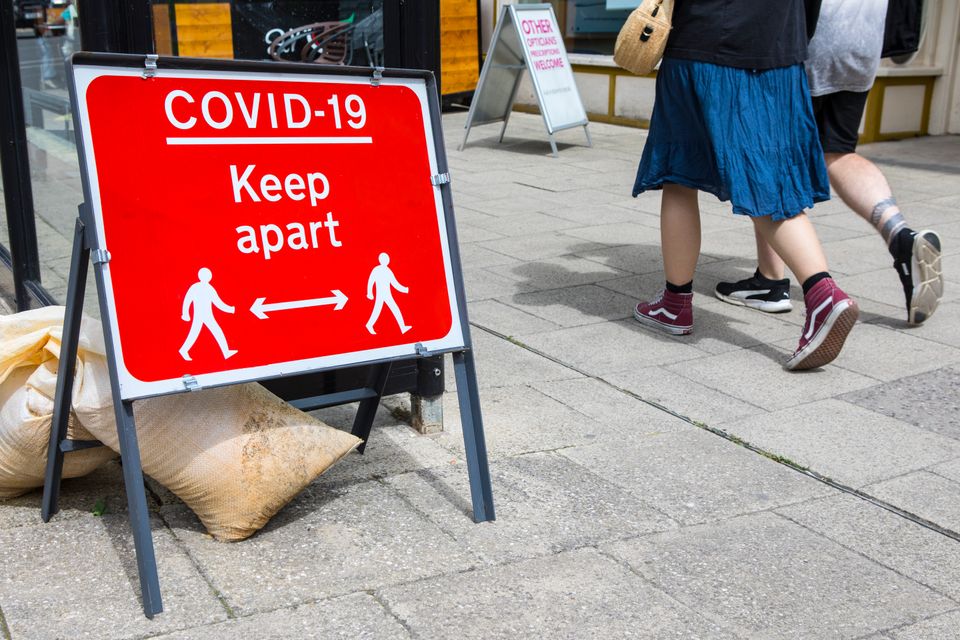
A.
pixel 844 55
pixel 732 117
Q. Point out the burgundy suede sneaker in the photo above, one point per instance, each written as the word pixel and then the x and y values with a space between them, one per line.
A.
pixel 830 316
pixel 669 312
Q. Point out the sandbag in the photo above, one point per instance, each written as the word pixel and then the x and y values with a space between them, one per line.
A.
pixel 235 455
pixel 29 357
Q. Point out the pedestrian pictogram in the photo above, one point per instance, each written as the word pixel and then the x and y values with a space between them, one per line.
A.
pixel 198 307
pixel 381 284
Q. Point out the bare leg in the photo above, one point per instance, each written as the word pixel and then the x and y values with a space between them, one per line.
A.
pixel 861 185
pixel 770 264
pixel 795 240
pixel 679 232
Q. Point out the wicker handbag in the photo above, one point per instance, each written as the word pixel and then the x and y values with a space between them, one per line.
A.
pixel 644 36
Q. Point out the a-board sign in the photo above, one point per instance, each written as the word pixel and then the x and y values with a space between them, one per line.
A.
pixel 247 220
pixel 261 224
pixel 527 38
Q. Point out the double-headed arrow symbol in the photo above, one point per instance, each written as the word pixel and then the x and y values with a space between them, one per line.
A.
pixel 260 307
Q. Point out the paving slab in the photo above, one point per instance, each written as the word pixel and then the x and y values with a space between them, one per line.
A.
pixel 329 541
pixel 847 443
pixel 876 352
pixel 78 497
pixel 505 364
pixel 694 476
pixel 356 616
pixel 610 407
pixel 545 504
pixel 612 346
pixel 910 549
pixel 928 400
pixel 538 246
pixel 681 395
pixel 770 578
pixel 518 420
pixel 574 306
pixel 942 327
pixel 77 578
pixel 508 320
pixel 949 470
pixel 556 273
pixel 757 376
pixel 575 595
pixel 925 494
pixel 943 627
pixel 620 233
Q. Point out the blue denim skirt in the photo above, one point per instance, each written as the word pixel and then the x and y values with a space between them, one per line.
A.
pixel 745 136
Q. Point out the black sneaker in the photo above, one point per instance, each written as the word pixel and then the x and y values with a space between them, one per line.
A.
pixel 756 292
pixel 921 276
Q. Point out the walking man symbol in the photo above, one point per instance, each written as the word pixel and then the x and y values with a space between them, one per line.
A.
pixel 203 297
pixel 382 282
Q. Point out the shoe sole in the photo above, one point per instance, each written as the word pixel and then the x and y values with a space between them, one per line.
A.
pixel 660 326
pixel 828 342
pixel 927 277
pixel 780 306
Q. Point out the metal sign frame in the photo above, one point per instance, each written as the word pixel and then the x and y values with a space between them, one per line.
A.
pixel 87 244
pixel 504 68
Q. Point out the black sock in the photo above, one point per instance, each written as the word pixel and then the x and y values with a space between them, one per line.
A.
pixel 762 279
pixel 901 248
pixel 683 288
pixel 814 279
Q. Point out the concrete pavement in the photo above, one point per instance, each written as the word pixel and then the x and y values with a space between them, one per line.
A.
pixel 646 486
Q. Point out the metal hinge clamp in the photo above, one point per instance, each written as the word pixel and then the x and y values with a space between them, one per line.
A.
pixel 100 256
pixel 190 383
pixel 377 76
pixel 421 350
pixel 439 179
pixel 150 66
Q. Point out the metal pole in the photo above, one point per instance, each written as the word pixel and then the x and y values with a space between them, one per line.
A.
pixel 15 163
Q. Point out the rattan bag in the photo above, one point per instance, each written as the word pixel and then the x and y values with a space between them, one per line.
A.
pixel 644 36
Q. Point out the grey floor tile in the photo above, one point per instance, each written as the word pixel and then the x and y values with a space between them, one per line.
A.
pixel 944 627
pixel 357 616
pixel 949 470
pixel 881 353
pixel 77 578
pixel 574 306
pixel 575 595
pixel 612 346
pixel 555 273
pixel 506 319
pixel 545 504
pixel 845 442
pixel 611 407
pixel 682 395
pixel 501 363
pixel 914 551
pixel 928 400
pixel 927 495
pixel 695 476
pixel 329 541
pixel 519 420
pixel 757 376
pixel 771 578
pixel 539 246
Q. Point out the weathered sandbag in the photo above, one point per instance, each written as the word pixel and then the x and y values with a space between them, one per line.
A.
pixel 235 455
pixel 29 352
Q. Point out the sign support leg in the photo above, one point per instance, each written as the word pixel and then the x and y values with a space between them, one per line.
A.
pixel 79 262
pixel 137 505
pixel 553 146
pixel 368 407
pixel 473 439
pixel 513 99
pixel 587 132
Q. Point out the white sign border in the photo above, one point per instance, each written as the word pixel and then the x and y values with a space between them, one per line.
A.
pixel 132 388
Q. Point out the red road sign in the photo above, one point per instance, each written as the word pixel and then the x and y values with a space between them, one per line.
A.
pixel 264 224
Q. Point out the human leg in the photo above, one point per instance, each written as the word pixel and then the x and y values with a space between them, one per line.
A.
pixel 671 310
pixel 831 314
